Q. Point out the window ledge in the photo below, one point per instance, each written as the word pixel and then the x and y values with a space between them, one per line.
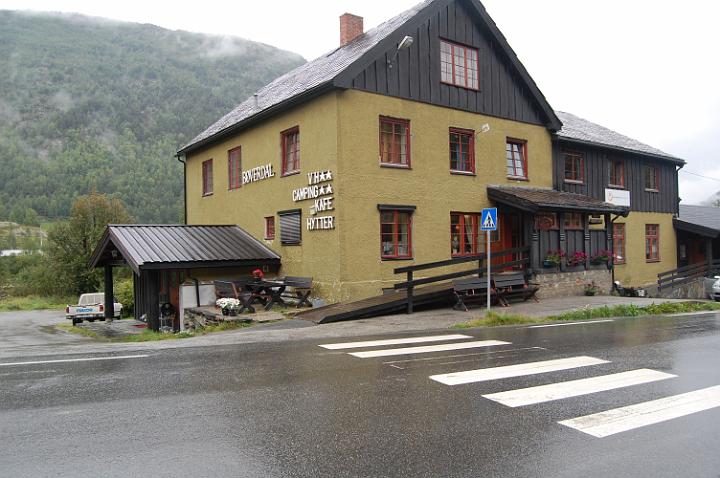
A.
pixel 463 173
pixel 652 260
pixel 395 166
pixel 574 181
pixel 652 190
pixel 616 186
pixel 207 194
pixel 290 173
pixel 518 178
pixel 397 259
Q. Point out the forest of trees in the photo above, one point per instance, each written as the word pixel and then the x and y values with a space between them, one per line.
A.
pixel 90 104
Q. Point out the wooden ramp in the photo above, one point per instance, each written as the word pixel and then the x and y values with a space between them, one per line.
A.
pixel 394 302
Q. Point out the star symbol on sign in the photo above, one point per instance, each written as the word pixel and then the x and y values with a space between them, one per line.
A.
pixel 321 191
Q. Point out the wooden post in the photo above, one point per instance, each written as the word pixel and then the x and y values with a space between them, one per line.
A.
pixel 563 238
pixel 586 237
pixel 708 251
pixel 410 292
pixel 109 294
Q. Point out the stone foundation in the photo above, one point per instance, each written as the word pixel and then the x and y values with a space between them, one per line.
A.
pixel 562 284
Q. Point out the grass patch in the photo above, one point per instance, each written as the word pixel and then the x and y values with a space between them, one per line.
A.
pixel 80 331
pixel 494 319
pixel 34 302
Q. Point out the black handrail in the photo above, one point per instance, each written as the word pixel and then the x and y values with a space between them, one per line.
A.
pixel 685 274
pixel 411 283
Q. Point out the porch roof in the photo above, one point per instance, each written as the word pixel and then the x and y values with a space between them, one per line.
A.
pixel 169 246
pixel 702 220
pixel 538 199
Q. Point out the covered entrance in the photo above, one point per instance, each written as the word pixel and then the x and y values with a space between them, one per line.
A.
pixel 571 229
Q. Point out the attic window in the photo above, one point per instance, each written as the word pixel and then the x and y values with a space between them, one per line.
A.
pixel 458 65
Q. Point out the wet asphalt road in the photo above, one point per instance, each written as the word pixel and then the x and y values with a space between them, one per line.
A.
pixel 294 409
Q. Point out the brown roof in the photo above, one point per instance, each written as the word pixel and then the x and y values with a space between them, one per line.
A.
pixel 535 199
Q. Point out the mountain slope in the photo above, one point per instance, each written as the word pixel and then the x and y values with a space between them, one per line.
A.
pixel 87 103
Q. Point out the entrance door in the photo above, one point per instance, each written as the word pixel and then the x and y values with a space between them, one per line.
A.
pixel 509 236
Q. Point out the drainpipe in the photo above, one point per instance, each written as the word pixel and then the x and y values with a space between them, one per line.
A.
pixel 177 156
pixel 612 248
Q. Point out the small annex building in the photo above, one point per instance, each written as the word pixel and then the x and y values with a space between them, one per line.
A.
pixel 164 258
pixel 698 229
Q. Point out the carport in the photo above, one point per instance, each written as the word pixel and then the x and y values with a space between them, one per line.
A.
pixel 162 257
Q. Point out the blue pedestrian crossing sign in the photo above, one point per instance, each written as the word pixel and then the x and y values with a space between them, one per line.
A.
pixel 488 220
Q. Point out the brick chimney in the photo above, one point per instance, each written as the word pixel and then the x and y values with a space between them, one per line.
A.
pixel 351 27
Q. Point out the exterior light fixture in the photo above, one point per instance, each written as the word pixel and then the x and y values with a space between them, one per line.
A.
pixel 405 43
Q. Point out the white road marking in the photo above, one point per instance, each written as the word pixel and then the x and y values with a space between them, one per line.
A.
pixel 489 352
pixel 576 388
pixel 627 418
pixel 519 370
pixel 86 359
pixel 428 348
pixel 571 323
pixel 409 340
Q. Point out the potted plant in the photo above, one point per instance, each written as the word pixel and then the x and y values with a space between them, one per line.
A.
pixel 228 306
pixel 553 258
pixel 577 258
pixel 602 256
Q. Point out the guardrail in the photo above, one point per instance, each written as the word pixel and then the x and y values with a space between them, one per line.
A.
pixel 410 282
pixel 682 275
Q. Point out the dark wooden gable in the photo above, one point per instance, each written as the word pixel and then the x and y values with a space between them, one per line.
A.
pixel 415 73
pixel 596 176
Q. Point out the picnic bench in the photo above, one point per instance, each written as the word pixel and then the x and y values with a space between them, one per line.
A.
pixel 300 288
pixel 265 292
pixel 470 290
pixel 513 285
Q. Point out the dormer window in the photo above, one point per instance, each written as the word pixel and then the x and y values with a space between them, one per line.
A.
pixel 459 65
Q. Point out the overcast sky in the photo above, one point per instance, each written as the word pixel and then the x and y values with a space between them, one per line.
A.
pixel 647 69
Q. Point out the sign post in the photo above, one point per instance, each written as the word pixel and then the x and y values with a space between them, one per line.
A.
pixel 488 223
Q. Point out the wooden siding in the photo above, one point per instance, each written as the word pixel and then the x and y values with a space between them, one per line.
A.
pixel 415 73
pixel 596 176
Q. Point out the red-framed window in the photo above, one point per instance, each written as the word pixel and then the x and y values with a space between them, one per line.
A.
pixel 270 227
pixel 395 234
pixel 573 220
pixel 290 140
pixel 466 238
pixel 394 141
pixel 516 157
pixel 545 221
pixel 459 65
pixel 619 242
pixel 616 173
pixel 652 242
pixel 462 150
pixel 207 177
pixel 574 167
pixel 234 168
pixel 652 178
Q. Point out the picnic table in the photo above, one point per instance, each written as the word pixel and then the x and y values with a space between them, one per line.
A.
pixel 265 292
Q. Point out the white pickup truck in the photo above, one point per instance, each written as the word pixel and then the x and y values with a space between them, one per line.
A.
pixel 90 307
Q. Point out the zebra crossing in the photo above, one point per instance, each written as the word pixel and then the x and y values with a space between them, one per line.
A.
pixel 602 424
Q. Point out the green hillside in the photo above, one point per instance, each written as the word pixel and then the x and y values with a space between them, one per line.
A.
pixel 87 103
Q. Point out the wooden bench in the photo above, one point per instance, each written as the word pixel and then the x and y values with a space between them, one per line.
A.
pixel 300 288
pixel 469 290
pixel 511 286
pixel 235 289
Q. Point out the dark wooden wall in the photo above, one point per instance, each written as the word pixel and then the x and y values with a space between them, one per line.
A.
pixel 146 287
pixel 415 74
pixel 597 178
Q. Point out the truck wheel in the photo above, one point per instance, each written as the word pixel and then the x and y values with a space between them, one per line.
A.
pixel 76 321
pixel 102 320
pixel 91 320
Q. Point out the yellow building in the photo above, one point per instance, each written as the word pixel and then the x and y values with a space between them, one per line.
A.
pixel 382 154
